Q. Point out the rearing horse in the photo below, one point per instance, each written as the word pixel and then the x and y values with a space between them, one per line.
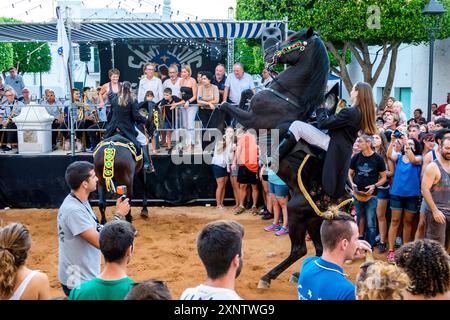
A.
pixel 115 165
pixel 293 95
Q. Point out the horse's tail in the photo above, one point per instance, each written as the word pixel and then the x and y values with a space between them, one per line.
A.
pixel 108 168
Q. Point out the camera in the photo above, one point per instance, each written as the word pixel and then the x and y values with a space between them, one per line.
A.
pixel 122 191
pixel 398 134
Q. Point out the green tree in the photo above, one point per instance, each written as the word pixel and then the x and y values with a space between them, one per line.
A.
pixel 6 55
pixel 355 25
pixel 32 56
pixel 27 56
pixel 248 52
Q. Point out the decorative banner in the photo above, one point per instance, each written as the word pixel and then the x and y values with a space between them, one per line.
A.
pixel 130 58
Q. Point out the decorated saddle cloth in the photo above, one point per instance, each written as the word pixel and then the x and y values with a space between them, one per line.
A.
pixel 119 140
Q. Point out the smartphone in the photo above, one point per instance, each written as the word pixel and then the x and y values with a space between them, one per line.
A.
pixel 122 191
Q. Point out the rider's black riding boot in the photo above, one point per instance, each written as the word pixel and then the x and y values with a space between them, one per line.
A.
pixel 285 146
pixel 148 164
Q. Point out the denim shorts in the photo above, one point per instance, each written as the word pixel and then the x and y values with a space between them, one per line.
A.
pixel 383 194
pixel 280 191
pixel 410 204
pixel 219 172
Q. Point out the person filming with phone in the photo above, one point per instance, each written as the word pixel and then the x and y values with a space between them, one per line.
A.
pixel 367 172
pixel 79 229
pixel 405 190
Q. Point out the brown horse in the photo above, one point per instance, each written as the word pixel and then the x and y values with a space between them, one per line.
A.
pixel 125 168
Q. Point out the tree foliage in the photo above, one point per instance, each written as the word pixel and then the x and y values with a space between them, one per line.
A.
pixel 6 55
pixel 248 52
pixel 355 25
pixel 32 56
pixel 28 56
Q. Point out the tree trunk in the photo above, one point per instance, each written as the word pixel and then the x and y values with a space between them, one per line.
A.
pixel 391 74
pixel 360 51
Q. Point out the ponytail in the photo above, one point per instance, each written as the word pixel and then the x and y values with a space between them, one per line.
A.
pixel 15 242
pixel 125 94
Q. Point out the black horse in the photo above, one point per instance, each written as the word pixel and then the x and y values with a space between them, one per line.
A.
pixel 293 95
pixel 124 170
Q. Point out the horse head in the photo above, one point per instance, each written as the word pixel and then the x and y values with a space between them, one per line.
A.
pixel 298 47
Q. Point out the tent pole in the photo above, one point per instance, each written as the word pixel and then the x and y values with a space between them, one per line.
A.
pixel 70 73
pixel 112 54
pixel 230 55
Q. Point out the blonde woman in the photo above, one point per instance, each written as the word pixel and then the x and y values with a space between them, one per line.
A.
pixel 219 164
pixel 17 282
pixel 188 91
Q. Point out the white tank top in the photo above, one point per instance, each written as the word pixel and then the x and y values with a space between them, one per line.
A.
pixel 20 290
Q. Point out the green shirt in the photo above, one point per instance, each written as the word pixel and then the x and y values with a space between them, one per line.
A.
pixel 98 289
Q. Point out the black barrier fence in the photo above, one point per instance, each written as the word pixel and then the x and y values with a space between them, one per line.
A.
pixel 38 181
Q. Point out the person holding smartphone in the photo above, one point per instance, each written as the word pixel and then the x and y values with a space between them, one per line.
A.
pixel 367 173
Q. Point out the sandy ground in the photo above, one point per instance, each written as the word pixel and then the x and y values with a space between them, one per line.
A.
pixel 165 249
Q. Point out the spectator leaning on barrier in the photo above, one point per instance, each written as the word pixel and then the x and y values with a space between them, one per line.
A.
pixel 117 245
pixel 322 278
pixel 17 282
pixel 219 246
pixel 174 81
pixel 236 83
pixel 78 228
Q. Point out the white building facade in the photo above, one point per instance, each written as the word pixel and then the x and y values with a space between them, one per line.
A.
pixel 411 77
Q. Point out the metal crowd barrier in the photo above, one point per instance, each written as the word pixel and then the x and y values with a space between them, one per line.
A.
pixel 72 124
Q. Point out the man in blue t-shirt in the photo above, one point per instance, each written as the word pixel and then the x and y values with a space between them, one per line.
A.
pixel 322 278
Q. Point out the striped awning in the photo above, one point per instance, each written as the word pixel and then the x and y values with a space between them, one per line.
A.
pixel 104 31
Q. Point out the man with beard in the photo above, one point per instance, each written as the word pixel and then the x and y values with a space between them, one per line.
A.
pixel 323 278
pixel 436 192
pixel 219 246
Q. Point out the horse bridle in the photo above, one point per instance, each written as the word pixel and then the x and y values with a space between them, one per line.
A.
pixel 296 45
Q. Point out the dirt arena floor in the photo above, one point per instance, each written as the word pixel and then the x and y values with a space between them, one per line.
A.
pixel 165 249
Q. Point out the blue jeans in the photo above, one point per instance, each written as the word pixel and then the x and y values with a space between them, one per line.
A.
pixel 370 213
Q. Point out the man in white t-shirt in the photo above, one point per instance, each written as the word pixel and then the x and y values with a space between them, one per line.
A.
pixel 174 81
pixel 150 82
pixel 236 83
pixel 219 246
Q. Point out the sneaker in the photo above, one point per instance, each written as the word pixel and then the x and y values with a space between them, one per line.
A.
pixel 391 256
pixel 398 242
pixel 282 231
pixel 11 150
pixel 254 211
pixel 267 216
pixel 377 239
pixel 67 145
pixel 382 247
pixel 79 146
pixel 273 227
pixel 91 149
pixel 248 205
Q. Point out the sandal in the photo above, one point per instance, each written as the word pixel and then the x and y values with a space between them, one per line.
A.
pixel 254 211
pixel 239 210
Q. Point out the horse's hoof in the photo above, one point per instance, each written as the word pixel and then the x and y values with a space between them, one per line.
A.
pixel 263 284
pixel 293 278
